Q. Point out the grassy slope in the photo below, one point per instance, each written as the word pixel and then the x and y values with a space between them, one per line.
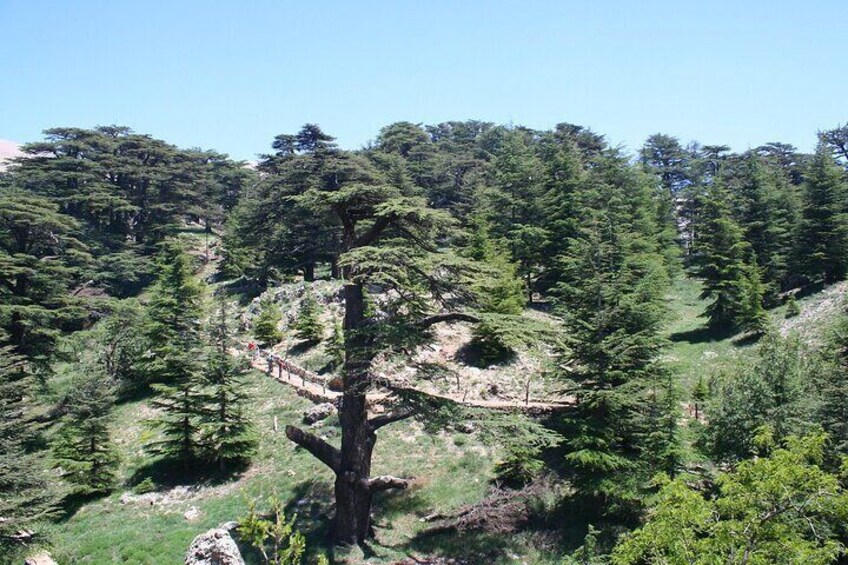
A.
pixel 107 531
pixel 450 471
pixel 696 351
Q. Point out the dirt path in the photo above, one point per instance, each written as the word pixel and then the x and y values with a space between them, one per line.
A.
pixel 314 387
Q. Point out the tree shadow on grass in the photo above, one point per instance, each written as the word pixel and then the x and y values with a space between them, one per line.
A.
pixel 704 334
pixel 72 502
pixel 168 473
pixel 472 355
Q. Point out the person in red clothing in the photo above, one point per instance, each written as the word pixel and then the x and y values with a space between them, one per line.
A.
pixel 251 347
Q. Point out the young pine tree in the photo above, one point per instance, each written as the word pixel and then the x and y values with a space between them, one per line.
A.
pixel 822 241
pixel 725 262
pixel 26 495
pixel 612 302
pixel 832 385
pixel 84 449
pixel 308 327
pixel 228 436
pixel 335 347
pixel 266 325
pixel 173 365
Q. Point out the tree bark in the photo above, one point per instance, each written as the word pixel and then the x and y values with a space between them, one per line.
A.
pixel 353 496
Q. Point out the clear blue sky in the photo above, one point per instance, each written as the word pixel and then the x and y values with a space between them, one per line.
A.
pixel 231 75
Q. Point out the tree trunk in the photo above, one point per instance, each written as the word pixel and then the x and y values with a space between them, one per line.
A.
pixel 353 496
pixel 309 272
pixel 335 272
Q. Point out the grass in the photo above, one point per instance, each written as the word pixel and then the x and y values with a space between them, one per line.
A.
pixel 447 476
pixel 694 349
pixel 450 470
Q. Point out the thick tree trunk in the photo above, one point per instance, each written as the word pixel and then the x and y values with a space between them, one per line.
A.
pixel 309 272
pixel 353 495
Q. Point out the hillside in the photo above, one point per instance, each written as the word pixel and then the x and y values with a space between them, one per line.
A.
pixel 452 468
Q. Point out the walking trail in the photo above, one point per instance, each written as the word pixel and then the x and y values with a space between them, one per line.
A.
pixel 316 388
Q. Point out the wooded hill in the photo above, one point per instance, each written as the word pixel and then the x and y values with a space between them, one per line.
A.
pixel 128 267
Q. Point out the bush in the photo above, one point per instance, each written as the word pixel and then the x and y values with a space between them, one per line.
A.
pixel 792 307
pixel 145 486
pixel 265 326
pixel 308 327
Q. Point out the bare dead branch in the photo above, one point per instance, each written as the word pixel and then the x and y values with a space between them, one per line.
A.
pixel 323 451
pixel 386 482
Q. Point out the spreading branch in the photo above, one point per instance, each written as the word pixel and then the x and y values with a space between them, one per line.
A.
pixel 323 451
pixel 374 231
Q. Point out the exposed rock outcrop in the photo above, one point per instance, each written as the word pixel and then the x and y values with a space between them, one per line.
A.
pixel 42 558
pixel 214 547
pixel 318 413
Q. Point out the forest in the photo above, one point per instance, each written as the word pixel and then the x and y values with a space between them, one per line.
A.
pixel 464 343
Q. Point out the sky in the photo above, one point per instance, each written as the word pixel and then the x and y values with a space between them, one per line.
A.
pixel 231 75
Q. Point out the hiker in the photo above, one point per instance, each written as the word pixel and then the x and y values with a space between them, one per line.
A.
pixel 251 348
pixel 270 363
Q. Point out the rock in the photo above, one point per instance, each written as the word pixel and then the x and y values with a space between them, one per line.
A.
pixel 215 547
pixel 192 514
pixel 466 427
pixel 42 558
pixel 229 526
pixel 318 413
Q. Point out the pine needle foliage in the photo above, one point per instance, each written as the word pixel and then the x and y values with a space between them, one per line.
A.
pixel 84 450
pixel 266 325
pixel 228 435
pixel 308 326
pixel 27 496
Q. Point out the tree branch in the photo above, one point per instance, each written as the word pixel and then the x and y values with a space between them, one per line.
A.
pixel 449 317
pixel 374 231
pixel 323 451
pixel 378 422
pixel 386 482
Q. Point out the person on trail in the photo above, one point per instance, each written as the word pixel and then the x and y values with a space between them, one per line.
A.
pixel 270 363
pixel 251 348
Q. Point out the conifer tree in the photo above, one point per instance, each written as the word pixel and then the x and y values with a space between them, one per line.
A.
pixel 39 256
pixel 611 300
pixel 500 294
pixel 26 494
pixel 335 347
pixel 725 262
pixel 173 364
pixel 822 243
pixel 266 325
pixel 514 205
pixel 84 449
pixel 228 436
pixel 307 326
pixel 832 388
pixel 766 212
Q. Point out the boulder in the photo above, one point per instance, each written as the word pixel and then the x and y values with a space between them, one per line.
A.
pixel 42 558
pixel 214 547
pixel 466 427
pixel 318 413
